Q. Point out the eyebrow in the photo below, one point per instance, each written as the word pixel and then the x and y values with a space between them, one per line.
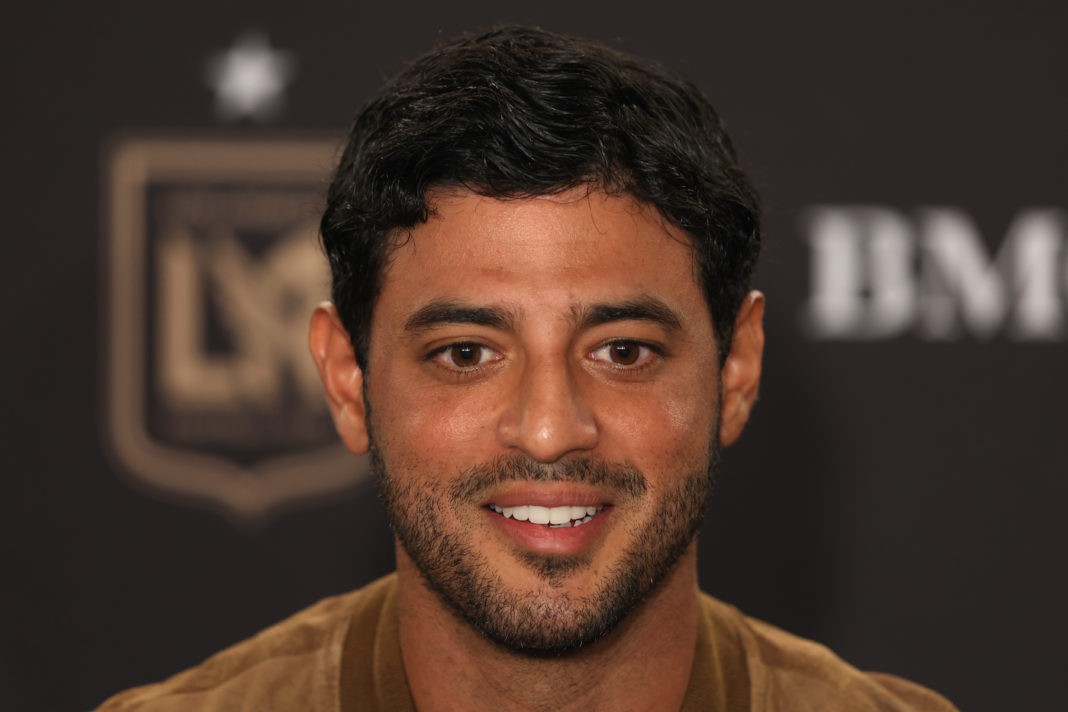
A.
pixel 644 308
pixel 439 313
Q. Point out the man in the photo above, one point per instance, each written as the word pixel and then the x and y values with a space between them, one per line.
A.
pixel 542 331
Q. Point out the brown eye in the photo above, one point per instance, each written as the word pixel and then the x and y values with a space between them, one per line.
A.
pixel 465 355
pixel 625 353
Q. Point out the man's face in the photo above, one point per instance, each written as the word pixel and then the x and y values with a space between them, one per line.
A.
pixel 543 395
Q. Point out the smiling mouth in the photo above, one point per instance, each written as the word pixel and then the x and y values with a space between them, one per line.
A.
pixel 553 517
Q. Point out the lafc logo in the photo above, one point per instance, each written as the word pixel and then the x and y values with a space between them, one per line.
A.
pixel 214 268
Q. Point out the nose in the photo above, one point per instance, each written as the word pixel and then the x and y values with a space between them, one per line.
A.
pixel 548 417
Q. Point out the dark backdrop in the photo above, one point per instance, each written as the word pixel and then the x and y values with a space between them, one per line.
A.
pixel 900 492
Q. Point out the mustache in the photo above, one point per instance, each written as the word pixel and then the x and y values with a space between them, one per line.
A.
pixel 622 478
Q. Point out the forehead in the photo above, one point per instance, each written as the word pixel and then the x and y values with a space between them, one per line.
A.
pixel 557 252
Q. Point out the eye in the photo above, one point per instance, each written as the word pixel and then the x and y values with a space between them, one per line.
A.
pixel 623 353
pixel 465 356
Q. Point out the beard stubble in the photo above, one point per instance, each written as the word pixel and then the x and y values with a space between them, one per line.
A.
pixel 545 621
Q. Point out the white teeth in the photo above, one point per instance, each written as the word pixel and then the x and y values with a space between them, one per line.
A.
pixel 539 515
pixel 559 515
pixel 562 516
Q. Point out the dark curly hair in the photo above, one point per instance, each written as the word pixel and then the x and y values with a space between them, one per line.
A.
pixel 519 112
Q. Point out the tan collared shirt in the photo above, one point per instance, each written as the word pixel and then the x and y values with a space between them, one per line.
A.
pixel 343 655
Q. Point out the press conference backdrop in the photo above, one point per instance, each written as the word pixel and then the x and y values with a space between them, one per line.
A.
pixel 171 483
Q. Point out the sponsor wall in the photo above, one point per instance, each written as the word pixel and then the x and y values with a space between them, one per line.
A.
pixel 171 480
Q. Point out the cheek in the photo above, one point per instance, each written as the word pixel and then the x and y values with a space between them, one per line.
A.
pixel 421 427
pixel 669 432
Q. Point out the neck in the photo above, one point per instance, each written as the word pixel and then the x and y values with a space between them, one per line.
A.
pixel 644 664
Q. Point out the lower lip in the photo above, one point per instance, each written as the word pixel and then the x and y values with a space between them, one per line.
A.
pixel 544 539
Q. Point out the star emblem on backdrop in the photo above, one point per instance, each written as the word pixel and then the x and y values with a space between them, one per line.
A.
pixel 250 79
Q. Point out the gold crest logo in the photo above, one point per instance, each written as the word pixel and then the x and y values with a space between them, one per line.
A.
pixel 213 270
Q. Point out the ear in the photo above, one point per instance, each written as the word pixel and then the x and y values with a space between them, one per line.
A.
pixel 342 378
pixel 741 371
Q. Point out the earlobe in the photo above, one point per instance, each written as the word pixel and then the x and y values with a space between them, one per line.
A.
pixel 740 377
pixel 331 349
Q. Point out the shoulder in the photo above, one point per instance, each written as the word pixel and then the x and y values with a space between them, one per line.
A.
pixel 789 672
pixel 297 659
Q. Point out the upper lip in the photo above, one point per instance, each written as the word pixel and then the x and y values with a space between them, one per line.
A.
pixel 547 495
